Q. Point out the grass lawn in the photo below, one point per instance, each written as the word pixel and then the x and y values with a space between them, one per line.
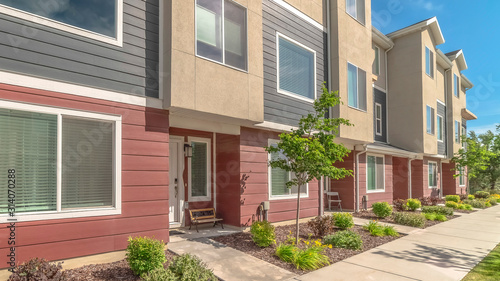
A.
pixel 488 268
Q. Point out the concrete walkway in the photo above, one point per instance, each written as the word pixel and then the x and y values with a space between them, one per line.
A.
pixel 446 251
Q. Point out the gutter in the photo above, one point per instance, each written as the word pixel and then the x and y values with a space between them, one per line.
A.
pixel 447 109
pixel 387 96
pixel 409 177
pixel 365 149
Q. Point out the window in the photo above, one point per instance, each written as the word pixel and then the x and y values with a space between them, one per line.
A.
pixel 464 133
pixel 430 120
pixel 278 179
pixel 356 87
pixel 296 69
pixel 100 20
pixel 461 178
pixel 67 163
pixel 356 8
pixel 199 170
pixel 432 174
pixel 375 173
pixel 457 131
pixel 221 32
pixel 376 61
pixel 456 86
pixel 378 119
pixel 440 126
pixel 429 62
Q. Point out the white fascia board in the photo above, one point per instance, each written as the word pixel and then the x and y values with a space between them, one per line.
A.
pixel 432 23
pixel 443 60
pixel 391 151
pixel 380 39
pixel 466 82
pixel 300 14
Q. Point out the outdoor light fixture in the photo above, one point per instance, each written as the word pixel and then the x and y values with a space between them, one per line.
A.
pixel 188 150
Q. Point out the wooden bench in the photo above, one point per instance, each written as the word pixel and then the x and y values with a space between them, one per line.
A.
pixel 206 215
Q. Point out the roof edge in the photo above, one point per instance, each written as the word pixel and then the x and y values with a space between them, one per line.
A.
pixel 380 39
pixel 432 23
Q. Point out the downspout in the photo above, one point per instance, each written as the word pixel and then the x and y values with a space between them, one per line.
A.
pixel 441 192
pixel 356 209
pixel 446 109
pixel 387 97
pixel 409 177
pixel 214 160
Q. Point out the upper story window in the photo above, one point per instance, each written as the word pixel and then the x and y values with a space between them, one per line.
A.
pixel 99 20
pixel 430 120
pixel 432 172
pixel 429 62
pixel 221 32
pixel 356 87
pixel 356 8
pixel 296 68
pixel 440 126
pixel 378 119
pixel 464 133
pixel 376 61
pixel 457 131
pixel 456 85
pixel 375 173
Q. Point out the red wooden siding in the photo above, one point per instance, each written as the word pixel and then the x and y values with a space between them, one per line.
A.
pixel 386 195
pixel 144 185
pixel 346 186
pixel 451 186
pixel 417 178
pixel 400 177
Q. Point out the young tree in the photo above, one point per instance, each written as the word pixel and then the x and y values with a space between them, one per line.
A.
pixel 309 151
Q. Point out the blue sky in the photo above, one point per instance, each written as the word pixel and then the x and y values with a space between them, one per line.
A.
pixel 465 25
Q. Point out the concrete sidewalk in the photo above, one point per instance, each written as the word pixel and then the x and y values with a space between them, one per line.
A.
pixel 446 251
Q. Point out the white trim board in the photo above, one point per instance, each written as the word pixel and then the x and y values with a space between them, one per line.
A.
pixel 301 15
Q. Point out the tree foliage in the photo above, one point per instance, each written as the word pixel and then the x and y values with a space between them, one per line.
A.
pixel 309 151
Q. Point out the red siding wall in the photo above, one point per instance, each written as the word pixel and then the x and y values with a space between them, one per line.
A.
pixel 144 186
pixel 417 178
pixel 450 184
pixel 345 187
pixel 373 197
pixel 400 177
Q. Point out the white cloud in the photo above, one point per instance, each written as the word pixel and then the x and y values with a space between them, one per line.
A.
pixel 429 5
pixel 483 129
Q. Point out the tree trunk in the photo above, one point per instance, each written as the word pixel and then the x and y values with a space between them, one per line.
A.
pixel 298 216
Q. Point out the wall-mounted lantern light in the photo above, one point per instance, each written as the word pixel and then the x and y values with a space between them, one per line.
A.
pixel 188 150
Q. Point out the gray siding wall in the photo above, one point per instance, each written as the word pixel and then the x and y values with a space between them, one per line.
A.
pixel 380 97
pixel 280 108
pixel 441 110
pixel 38 50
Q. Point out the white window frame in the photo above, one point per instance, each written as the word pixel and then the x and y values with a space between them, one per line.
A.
pixel 278 88
pixel 463 133
pixel 457 131
pixel 209 169
pixel 118 41
pixel 270 183
pixel 357 93
pixel 442 127
pixel 431 62
pixel 428 166
pixel 461 178
pixel 383 164
pixel 356 16
pixel 117 165
pixel 223 38
pixel 377 60
pixel 456 85
pixel 378 105
pixel 433 121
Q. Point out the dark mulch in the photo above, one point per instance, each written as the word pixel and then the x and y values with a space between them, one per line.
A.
pixel 369 215
pixel 107 271
pixel 243 242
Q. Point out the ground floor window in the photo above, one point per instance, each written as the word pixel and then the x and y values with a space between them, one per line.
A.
pixel 461 178
pixel 199 170
pixel 432 166
pixel 375 173
pixel 58 160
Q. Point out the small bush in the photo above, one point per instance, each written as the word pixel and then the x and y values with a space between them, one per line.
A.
pixel 451 204
pixel 344 239
pixel 374 228
pixel 262 233
pixel 160 274
pixel 454 198
pixel 38 269
pixel 286 252
pixel 413 204
pixel 410 219
pixel 311 258
pixel 440 217
pixel 382 209
pixel 487 204
pixel 145 254
pixel 399 205
pixel 343 220
pixel 482 194
pixel 464 207
pixel 429 201
pixel 493 201
pixel 430 216
pixel 479 204
pixel 390 231
pixel 190 268
pixel 471 197
pixel 321 225
pixel 438 210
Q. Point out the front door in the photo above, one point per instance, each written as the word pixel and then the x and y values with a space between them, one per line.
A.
pixel 175 189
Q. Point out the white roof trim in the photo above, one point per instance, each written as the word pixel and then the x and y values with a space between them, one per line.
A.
pixel 459 56
pixel 391 151
pixel 432 23
pixel 380 39
pixel 443 59
pixel 300 14
pixel 466 82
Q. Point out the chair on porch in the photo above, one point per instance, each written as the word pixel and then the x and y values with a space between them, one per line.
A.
pixel 334 197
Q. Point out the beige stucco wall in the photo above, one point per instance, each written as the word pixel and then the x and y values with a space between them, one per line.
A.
pixel 430 92
pixel 456 106
pixel 382 73
pixel 351 42
pixel 198 84
pixel 312 8
pixel 405 93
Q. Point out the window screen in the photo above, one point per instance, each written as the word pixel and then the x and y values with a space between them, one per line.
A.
pixel 199 175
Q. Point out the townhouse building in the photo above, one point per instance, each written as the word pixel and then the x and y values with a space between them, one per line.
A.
pixel 120 121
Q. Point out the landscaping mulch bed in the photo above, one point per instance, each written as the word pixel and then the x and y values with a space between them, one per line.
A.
pixel 243 242
pixel 465 211
pixel 107 271
pixel 369 215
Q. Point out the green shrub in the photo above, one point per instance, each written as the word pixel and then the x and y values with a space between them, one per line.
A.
pixel 471 197
pixel 145 254
pixel 409 219
pixel 465 207
pixel 399 205
pixel 413 204
pixel 160 274
pixel 440 217
pixel 286 252
pixel 430 216
pixel 190 268
pixel 451 204
pixel 321 225
pixel 374 228
pixel 438 210
pixel 343 220
pixel 344 239
pixel 487 204
pixel 382 209
pixel 476 203
pixel 38 269
pixel 482 194
pixel 262 233
pixel 454 198
pixel 311 258
pixel 390 231
pixel 493 201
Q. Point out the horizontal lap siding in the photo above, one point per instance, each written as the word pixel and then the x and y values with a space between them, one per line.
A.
pixel 450 184
pixel 441 110
pixel 345 187
pixel 387 194
pixel 400 177
pixel 281 108
pixel 34 49
pixel 144 185
pixel 417 178
pixel 380 98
